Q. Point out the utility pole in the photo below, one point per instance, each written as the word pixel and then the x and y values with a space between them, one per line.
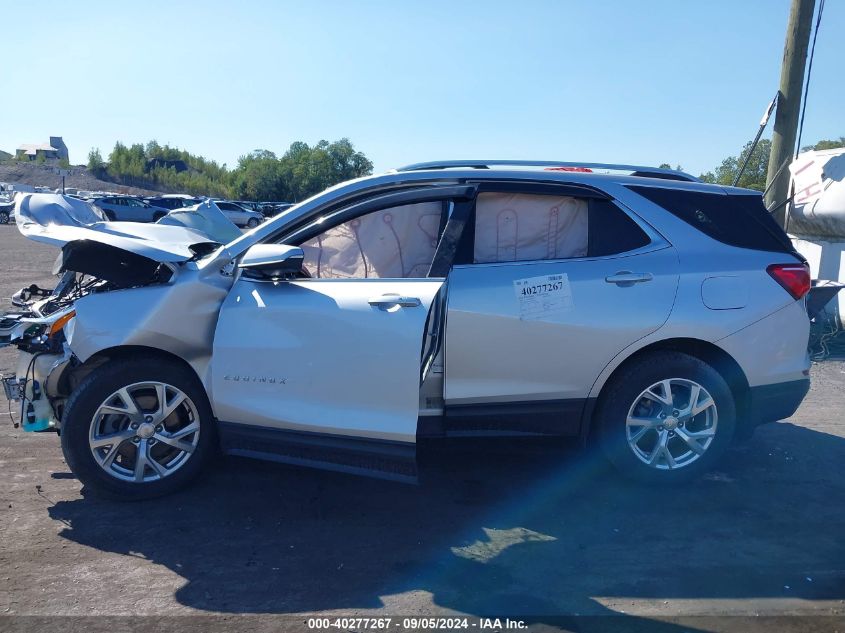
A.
pixel 789 105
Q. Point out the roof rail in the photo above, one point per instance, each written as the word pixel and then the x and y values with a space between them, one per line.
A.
pixel 633 170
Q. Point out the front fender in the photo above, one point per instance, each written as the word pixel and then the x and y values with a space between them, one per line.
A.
pixel 179 317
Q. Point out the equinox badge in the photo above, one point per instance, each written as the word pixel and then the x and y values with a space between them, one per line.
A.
pixel 264 379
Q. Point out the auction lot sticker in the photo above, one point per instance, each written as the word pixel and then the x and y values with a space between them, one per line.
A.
pixel 543 297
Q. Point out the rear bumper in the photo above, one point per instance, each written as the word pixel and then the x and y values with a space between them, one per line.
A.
pixel 770 403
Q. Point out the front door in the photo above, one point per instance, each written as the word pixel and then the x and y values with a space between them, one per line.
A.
pixel 325 370
pixel 329 356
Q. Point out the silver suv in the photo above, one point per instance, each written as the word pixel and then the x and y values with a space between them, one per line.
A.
pixel 635 307
pixel 128 209
pixel 240 215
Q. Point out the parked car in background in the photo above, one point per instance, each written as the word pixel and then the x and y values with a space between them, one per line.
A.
pixel 246 204
pixel 241 216
pixel 7 212
pixel 172 202
pixel 129 209
pixel 271 209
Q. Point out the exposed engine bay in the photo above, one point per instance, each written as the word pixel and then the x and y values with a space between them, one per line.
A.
pixel 38 326
pixel 96 257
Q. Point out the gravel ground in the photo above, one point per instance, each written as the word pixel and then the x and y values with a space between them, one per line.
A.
pixel 487 532
pixel 12 171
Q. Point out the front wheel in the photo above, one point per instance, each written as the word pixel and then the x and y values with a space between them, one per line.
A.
pixel 252 223
pixel 666 418
pixel 4 217
pixel 138 428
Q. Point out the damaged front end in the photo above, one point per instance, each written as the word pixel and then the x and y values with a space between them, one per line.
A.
pixel 44 356
pixel 43 327
pixel 95 259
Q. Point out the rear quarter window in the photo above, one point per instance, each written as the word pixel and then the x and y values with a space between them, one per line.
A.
pixel 737 220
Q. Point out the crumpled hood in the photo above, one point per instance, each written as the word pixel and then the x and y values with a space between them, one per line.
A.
pixel 56 219
pixel 207 218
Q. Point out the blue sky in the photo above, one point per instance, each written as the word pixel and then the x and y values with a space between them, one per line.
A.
pixel 646 82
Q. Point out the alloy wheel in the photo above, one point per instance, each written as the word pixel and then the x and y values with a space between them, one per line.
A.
pixel 671 424
pixel 144 432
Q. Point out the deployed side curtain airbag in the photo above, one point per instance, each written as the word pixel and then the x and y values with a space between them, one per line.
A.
pixel 512 227
pixel 392 243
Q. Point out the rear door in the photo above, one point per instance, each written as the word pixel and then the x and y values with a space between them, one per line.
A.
pixel 325 370
pixel 550 287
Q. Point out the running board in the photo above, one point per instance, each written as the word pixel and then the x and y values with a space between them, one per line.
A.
pixel 367 457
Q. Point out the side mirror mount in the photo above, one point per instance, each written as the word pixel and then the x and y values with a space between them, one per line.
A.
pixel 271 262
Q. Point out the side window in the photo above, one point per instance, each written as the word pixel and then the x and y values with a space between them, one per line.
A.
pixel 611 231
pixel 393 243
pixel 513 227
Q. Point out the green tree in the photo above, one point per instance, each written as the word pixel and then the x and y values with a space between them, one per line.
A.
pixel 826 144
pixel 260 175
pixel 96 164
pixel 309 170
pixel 754 176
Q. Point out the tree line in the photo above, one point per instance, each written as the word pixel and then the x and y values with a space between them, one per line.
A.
pixel 304 170
pixel 300 172
pixel 754 176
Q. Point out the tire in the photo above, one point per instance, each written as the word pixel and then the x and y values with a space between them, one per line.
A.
pixel 111 469
pixel 109 215
pixel 4 217
pixel 656 444
pixel 158 216
pixel 252 223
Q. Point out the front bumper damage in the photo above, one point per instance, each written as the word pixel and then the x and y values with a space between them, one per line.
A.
pixel 137 265
pixel 34 386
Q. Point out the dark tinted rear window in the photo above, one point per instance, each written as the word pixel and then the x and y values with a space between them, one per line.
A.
pixel 611 231
pixel 737 220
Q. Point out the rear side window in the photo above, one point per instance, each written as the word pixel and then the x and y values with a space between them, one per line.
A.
pixel 736 220
pixel 612 231
pixel 513 227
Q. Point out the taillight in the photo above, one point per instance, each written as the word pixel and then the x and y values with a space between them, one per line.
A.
pixel 795 278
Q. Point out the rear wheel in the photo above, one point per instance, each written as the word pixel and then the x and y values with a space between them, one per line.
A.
pixel 4 217
pixel 109 215
pixel 138 428
pixel 158 216
pixel 667 417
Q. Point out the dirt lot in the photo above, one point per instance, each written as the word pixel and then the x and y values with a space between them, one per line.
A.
pixel 537 535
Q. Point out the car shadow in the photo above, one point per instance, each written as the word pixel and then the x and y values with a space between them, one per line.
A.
pixel 532 534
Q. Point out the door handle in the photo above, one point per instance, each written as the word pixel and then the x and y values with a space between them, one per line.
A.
pixel 388 301
pixel 626 278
